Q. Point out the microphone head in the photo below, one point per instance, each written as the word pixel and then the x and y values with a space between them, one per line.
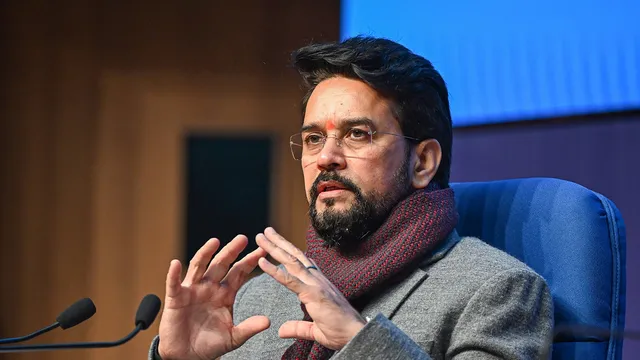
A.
pixel 147 311
pixel 80 311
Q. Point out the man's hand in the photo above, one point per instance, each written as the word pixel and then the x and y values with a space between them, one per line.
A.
pixel 335 321
pixel 197 320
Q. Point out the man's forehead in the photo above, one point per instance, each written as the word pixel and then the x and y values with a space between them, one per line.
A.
pixel 339 102
pixel 338 108
pixel 340 97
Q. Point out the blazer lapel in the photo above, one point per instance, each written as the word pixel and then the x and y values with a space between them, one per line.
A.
pixel 392 298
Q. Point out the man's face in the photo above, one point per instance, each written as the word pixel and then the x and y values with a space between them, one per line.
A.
pixel 350 192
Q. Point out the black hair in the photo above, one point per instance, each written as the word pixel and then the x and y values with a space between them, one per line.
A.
pixel 412 83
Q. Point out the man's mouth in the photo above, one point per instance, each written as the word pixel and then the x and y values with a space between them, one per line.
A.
pixel 330 186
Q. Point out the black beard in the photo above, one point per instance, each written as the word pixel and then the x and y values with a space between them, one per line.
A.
pixel 345 229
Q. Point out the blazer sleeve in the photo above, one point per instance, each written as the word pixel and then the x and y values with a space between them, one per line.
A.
pixel 510 316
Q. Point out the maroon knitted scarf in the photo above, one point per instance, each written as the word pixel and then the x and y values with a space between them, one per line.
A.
pixel 413 229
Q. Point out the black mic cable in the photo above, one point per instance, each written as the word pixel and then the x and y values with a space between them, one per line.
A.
pixel 147 311
pixel 562 332
pixel 80 311
pixel 582 333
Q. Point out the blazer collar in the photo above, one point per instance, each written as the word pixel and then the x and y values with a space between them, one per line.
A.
pixel 442 249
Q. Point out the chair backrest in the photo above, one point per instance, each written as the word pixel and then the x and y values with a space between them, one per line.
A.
pixel 574 237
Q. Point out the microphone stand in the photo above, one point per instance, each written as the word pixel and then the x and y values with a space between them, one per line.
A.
pixel 83 345
pixel 30 336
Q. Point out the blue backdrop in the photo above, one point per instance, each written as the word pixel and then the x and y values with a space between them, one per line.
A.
pixel 507 60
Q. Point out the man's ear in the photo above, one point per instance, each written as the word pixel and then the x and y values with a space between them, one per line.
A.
pixel 426 160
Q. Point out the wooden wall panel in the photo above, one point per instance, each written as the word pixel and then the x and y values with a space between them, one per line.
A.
pixel 97 97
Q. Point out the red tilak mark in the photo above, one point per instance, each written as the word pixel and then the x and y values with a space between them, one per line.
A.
pixel 330 125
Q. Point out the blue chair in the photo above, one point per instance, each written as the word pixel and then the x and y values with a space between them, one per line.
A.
pixel 573 237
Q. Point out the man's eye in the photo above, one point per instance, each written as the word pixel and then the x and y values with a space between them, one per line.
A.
pixel 313 139
pixel 358 134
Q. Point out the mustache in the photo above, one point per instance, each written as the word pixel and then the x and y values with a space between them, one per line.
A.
pixel 332 176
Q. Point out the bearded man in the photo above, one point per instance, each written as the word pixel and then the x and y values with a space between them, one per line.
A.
pixel 385 275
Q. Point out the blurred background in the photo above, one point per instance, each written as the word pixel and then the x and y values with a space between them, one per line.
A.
pixel 131 132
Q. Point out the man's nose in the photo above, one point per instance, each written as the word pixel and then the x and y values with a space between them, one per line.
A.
pixel 331 156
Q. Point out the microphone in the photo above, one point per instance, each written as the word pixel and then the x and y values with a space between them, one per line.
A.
pixel 145 315
pixel 78 312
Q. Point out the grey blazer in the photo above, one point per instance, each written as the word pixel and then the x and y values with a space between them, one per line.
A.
pixel 466 301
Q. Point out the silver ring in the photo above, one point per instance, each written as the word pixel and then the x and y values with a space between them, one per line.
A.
pixel 312 267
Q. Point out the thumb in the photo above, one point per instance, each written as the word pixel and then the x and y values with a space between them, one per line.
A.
pixel 302 330
pixel 247 329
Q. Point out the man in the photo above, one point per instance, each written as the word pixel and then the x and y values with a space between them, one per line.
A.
pixel 385 274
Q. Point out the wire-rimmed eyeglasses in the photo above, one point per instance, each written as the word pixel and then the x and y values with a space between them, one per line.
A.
pixel 354 139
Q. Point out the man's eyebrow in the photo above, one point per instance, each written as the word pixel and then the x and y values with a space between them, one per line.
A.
pixel 309 127
pixel 342 123
pixel 359 121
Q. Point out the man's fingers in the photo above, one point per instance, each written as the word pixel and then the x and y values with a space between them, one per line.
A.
pixel 285 245
pixel 173 279
pixel 198 263
pixel 282 276
pixel 292 263
pixel 297 330
pixel 241 269
pixel 248 328
pixel 220 264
